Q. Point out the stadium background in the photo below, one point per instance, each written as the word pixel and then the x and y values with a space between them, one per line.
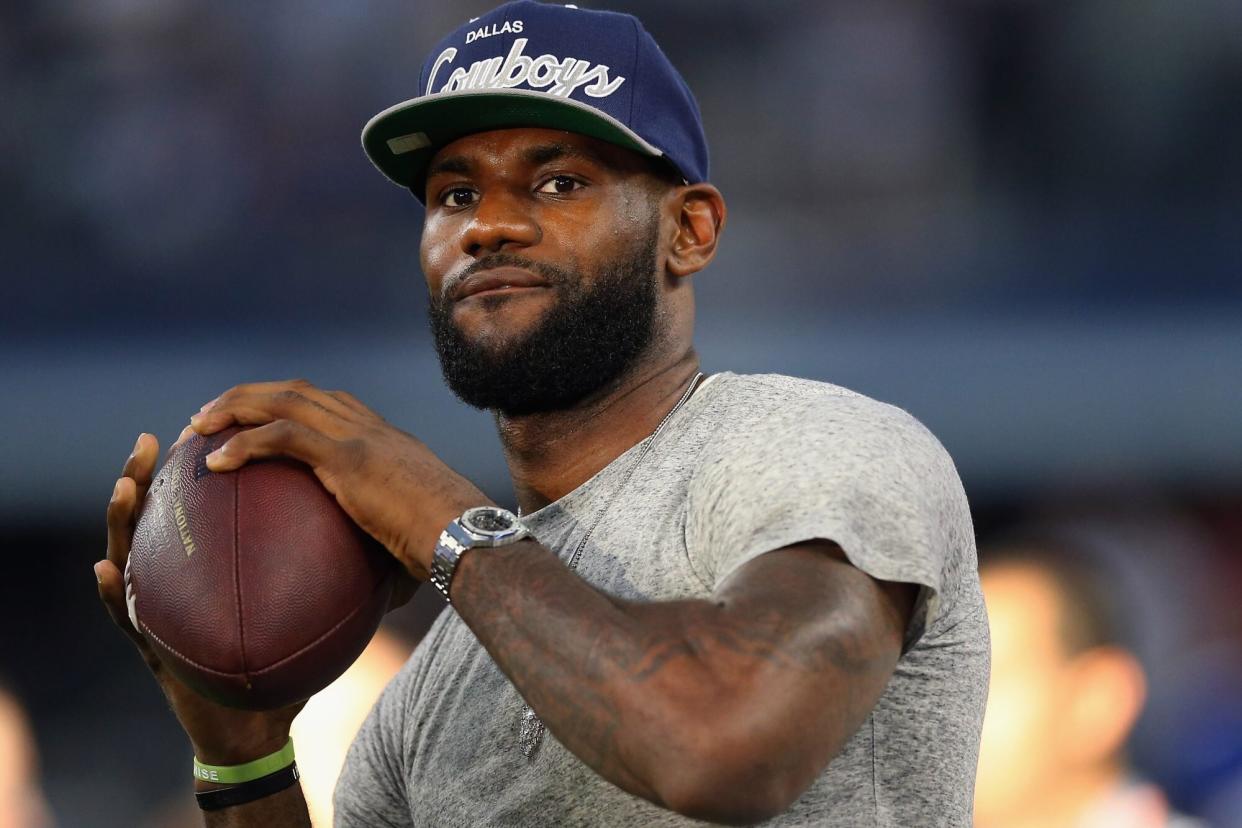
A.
pixel 1018 220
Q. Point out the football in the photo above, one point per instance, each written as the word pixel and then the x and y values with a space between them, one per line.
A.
pixel 252 586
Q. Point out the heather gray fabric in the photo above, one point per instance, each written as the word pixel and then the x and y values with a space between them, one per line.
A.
pixel 750 464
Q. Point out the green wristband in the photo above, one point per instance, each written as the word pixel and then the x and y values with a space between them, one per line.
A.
pixel 236 774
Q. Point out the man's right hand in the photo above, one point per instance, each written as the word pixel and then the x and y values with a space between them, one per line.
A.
pixel 219 735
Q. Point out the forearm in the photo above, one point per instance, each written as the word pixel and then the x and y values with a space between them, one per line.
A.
pixel 569 649
pixel 654 695
pixel 286 809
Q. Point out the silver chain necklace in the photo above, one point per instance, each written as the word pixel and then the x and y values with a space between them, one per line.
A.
pixel 533 727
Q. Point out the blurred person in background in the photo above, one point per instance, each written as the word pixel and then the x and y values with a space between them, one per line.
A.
pixel 22 804
pixel 1066 692
pixel 327 725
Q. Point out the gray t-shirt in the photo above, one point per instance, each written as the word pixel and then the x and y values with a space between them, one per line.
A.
pixel 750 464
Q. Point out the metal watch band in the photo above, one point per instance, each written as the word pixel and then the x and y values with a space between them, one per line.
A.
pixel 456 539
pixel 444 560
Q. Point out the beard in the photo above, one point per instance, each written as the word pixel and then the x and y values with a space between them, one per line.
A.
pixel 590 337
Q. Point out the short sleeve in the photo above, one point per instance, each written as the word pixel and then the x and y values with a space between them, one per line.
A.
pixel 371 790
pixel 840 467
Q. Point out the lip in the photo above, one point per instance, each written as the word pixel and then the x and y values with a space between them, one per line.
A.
pixel 496 280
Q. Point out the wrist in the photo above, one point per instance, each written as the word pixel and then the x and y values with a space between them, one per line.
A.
pixel 496 564
pixel 223 786
pixel 247 771
pixel 434 521
pixel 239 751
pixel 481 527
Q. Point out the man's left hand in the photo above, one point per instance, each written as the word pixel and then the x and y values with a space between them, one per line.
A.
pixel 388 481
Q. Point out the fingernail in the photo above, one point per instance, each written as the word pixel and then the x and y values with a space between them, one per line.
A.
pixel 116 490
pixel 208 405
pixel 197 420
pixel 215 458
pixel 98 577
pixel 138 442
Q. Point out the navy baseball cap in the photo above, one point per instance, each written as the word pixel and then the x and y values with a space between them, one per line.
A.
pixel 531 64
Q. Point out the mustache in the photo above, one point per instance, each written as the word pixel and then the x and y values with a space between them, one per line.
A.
pixel 554 276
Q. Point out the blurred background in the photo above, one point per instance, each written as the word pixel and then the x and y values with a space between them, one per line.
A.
pixel 1019 220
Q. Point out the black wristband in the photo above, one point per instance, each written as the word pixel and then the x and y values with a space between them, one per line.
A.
pixel 248 791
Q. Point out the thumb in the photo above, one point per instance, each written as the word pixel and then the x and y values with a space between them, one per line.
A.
pixel 111 586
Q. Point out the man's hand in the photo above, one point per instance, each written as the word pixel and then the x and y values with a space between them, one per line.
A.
pixel 219 735
pixel 389 482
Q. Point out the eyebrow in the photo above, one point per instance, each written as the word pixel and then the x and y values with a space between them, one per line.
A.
pixel 547 153
pixel 458 164
pixel 535 156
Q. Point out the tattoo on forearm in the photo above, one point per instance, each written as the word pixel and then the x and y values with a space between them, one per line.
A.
pixel 605 673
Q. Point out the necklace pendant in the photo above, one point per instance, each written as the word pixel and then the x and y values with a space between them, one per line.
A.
pixel 531 732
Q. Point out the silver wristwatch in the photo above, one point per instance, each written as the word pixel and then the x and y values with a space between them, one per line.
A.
pixel 482 526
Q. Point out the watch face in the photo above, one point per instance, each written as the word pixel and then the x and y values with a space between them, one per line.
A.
pixel 487 521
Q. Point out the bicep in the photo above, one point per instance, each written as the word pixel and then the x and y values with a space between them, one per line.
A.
pixel 823 597
pixel 823 638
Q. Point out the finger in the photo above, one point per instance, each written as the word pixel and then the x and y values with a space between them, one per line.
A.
pixel 186 433
pixel 299 387
pixel 307 405
pixel 281 438
pixel 121 520
pixel 111 585
pixel 260 388
pixel 141 461
pixel 351 402
pixel 141 464
pixel 127 470
pixel 218 419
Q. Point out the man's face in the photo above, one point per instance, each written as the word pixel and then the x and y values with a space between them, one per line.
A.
pixel 541 253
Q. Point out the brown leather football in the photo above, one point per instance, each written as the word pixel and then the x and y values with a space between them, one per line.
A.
pixel 253 586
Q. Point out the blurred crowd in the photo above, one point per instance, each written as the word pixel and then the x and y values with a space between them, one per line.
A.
pixel 997 153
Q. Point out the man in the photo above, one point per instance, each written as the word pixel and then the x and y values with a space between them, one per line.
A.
pixel 733 598
pixel 1066 691
pixel 22 803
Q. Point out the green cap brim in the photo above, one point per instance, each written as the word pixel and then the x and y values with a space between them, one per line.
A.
pixel 401 140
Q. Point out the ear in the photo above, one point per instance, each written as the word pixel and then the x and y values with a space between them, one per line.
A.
pixel 698 211
pixel 1108 692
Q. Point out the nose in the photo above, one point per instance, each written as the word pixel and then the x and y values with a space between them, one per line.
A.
pixel 501 220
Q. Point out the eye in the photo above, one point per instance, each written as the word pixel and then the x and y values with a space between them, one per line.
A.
pixel 560 185
pixel 458 197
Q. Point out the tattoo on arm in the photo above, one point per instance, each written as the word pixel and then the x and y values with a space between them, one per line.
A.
pixel 792 651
